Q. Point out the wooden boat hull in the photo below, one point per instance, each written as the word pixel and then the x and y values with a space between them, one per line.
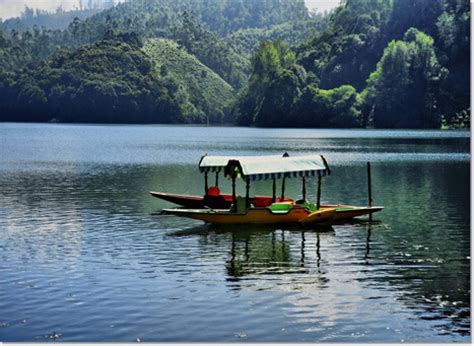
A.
pixel 256 216
pixel 346 212
pixel 187 201
pixel 223 201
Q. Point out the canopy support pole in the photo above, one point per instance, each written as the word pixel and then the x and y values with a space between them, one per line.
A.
pixel 274 191
pixel 217 178
pixel 369 188
pixel 304 188
pixel 282 198
pixel 234 197
pixel 247 193
pixel 318 203
pixel 206 183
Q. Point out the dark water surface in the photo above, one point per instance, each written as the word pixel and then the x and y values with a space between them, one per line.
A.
pixel 84 258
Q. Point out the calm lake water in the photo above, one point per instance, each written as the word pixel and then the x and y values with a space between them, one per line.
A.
pixel 84 257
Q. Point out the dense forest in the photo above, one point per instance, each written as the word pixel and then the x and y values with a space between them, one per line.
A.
pixel 368 63
pixel 384 64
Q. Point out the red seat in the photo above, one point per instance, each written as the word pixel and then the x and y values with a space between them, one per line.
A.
pixel 214 191
pixel 261 201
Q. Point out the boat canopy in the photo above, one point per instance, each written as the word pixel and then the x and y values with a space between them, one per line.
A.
pixel 217 163
pixel 277 167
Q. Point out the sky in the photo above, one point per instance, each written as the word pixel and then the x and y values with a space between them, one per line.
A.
pixel 13 8
pixel 320 5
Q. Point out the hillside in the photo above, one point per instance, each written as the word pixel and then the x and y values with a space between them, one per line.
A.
pixel 156 17
pixel 111 81
pixel 386 64
pixel 246 41
pixel 193 71
pixel 117 80
pixel 198 25
pixel 207 91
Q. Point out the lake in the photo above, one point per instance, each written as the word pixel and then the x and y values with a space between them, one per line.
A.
pixel 86 257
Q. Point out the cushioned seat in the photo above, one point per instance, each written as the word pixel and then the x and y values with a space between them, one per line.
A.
pixel 282 207
pixel 214 191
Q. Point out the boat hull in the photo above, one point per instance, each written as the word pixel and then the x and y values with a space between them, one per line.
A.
pixel 343 212
pixel 186 201
pixel 346 212
pixel 255 216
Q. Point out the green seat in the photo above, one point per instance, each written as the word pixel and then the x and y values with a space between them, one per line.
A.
pixel 280 207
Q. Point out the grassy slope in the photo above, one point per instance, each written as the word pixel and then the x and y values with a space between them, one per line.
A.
pixel 203 85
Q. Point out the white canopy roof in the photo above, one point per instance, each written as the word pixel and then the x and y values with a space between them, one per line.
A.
pixel 277 167
pixel 217 163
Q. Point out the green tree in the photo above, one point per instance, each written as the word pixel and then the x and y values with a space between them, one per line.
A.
pixel 402 92
pixel 327 108
pixel 279 99
pixel 270 64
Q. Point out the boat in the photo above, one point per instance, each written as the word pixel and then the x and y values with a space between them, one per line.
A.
pixel 242 211
pixel 214 199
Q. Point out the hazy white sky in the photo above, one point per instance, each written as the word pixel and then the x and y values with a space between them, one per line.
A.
pixel 12 8
pixel 320 5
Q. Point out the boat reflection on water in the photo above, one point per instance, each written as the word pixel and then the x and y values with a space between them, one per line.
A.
pixel 263 252
pixel 367 247
pixel 257 252
pixel 314 265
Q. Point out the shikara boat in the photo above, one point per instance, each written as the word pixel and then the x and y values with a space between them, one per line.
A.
pixel 214 199
pixel 242 211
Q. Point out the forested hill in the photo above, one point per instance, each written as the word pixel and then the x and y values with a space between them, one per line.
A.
pixel 386 64
pixel 249 62
pixel 142 61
